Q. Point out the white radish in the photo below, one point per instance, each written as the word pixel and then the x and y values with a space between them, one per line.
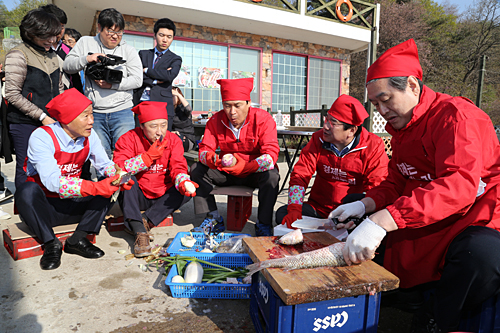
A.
pixel 177 279
pixel 190 187
pixel 193 272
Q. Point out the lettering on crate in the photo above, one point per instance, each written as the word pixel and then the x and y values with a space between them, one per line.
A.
pixel 338 320
pixel 264 292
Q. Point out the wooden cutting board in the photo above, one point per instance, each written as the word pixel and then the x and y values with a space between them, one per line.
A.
pixel 322 283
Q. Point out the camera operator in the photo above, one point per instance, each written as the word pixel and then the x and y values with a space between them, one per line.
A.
pixel 112 99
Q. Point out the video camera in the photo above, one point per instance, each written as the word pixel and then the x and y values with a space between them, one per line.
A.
pixel 99 71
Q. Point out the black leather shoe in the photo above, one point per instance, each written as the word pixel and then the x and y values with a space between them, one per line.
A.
pixel 51 258
pixel 84 248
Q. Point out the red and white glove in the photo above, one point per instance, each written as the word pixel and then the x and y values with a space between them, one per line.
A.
pixel 362 242
pixel 294 214
pixel 188 188
pixel 212 160
pixel 102 188
pixel 154 152
pixel 242 168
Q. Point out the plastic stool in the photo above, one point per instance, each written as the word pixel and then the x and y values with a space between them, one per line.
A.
pixel 239 205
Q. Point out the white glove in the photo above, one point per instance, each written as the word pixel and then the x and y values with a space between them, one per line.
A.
pixel 362 242
pixel 342 212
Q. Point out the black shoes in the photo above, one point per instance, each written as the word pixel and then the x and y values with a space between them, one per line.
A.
pixel 51 258
pixel 84 248
pixel 263 230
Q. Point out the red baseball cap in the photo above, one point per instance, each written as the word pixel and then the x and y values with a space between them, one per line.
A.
pixel 400 60
pixel 235 89
pixel 349 110
pixel 67 106
pixel 148 110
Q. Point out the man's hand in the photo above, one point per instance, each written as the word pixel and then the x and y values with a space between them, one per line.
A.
pixel 102 188
pixel 127 186
pixel 294 214
pixel 342 212
pixel 154 152
pixel 47 121
pixel 213 160
pixel 362 242
pixel 242 168
pixel 93 57
pixel 188 188
pixel 103 84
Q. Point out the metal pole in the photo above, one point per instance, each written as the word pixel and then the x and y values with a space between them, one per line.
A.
pixel 482 69
pixel 372 56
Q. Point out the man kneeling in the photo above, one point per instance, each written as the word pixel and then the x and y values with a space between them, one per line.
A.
pixel 156 157
pixel 54 193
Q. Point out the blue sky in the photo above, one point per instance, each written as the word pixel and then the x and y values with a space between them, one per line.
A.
pixel 461 3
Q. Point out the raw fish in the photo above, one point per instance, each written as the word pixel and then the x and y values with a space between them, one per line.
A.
pixel 292 238
pixel 329 256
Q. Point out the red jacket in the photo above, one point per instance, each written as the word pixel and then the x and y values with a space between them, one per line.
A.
pixel 432 188
pixel 364 167
pixel 160 176
pixel 258 136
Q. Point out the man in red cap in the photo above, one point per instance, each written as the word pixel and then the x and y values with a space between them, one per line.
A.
pixel 54 193
pixel 162 184
pixel 439 206
pixel 347 159
pixel 250 135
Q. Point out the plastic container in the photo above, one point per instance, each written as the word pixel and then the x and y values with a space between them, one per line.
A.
pixel 232 259
pixel 349 314
pixel 279 118
pixel 207 290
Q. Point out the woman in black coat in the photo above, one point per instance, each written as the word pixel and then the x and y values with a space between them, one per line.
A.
pixel 183 121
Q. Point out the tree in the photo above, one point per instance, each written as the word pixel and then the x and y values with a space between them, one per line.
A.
pixel 16 15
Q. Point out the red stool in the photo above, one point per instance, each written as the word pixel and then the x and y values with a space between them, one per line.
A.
pixel 239 205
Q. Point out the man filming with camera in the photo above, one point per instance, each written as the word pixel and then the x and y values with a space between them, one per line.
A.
pixel 113 70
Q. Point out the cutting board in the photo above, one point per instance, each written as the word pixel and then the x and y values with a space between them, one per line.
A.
pixel 322 283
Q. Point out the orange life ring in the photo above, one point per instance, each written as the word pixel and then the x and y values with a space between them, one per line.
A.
pixel 339 13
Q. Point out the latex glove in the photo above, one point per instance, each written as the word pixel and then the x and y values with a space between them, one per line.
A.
pixel 294 214
pixel 185 190
pixel 242 168
pixel 102 188
pixel 342 212
pixel 362 242
pixel 212 160
pixel 154 152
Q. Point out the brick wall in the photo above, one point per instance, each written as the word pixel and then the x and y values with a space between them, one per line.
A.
pixel 267 43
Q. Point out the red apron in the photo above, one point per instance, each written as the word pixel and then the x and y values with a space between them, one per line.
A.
pixel 70 164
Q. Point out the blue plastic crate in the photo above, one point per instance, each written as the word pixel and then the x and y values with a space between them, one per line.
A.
pixel 350 314
pixel 206 290
pixel 233 259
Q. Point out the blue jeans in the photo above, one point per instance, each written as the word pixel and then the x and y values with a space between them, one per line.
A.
pixel 111 126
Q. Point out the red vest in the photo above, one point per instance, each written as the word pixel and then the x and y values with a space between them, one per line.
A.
pixel 70 164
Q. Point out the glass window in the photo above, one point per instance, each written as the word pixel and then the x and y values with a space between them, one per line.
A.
pixel 139 42
pixel 324 82
pixel 202 65
pixel 289 72
pixel 246 63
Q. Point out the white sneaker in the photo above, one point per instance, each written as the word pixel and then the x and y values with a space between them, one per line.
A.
pixel 4 215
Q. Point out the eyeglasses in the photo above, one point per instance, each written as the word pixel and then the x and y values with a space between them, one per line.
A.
pixel 332 123
pixel 111 32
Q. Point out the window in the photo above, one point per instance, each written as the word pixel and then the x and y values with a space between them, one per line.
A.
pixel 139 42
pixel 324 83
pixel 302 86
pixel 246 63
pixel 202 65
pixel 289 82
